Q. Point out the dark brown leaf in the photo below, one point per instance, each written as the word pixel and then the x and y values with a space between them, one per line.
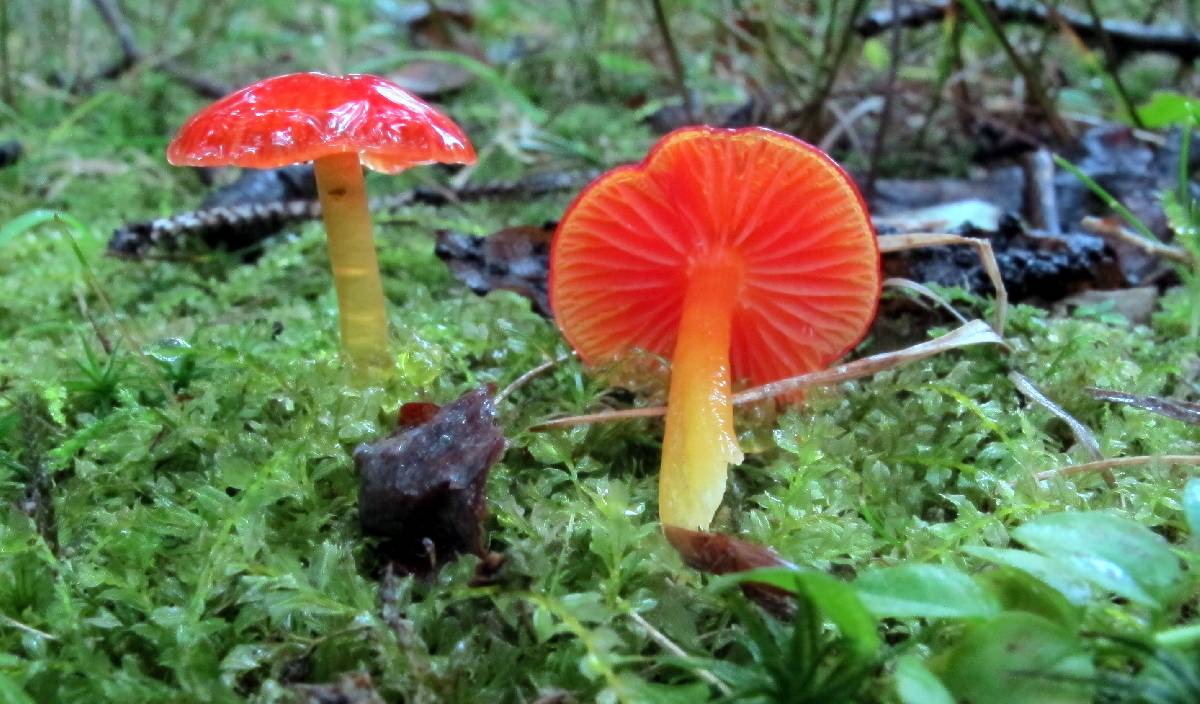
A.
pixel 514 259
pixel 431 79
pixel 1178 410
pixel 421 489
pixel 717 553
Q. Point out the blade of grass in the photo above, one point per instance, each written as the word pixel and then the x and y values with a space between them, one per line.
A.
pixel 1133 220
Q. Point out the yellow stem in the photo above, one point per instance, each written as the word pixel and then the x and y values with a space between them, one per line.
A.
pixel 361 306
pixel 700 443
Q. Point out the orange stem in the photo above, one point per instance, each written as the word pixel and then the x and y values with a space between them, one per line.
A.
pixel 699 443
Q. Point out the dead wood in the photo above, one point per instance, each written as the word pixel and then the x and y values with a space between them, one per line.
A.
pixel 1126 37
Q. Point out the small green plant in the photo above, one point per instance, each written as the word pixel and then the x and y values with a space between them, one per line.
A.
pixel 100 377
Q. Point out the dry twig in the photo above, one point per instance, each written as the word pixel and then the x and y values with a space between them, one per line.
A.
pixel 975 332
pixel 1115 462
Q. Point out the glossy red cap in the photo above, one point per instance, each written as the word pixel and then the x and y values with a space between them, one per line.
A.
pixel 304 116
pixel 810 286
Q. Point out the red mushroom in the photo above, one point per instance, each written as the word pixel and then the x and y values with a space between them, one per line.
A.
pixel 741 255
pixel 339 123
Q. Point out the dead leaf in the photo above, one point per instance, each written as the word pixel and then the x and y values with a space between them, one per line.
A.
pixel 431 79
pixel 421 489
pixel 717 553
pixel 514 259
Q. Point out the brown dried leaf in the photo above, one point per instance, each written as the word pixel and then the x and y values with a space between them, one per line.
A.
pixel 421 489
pixel 431 79
pixel 513 259
pixel 717 553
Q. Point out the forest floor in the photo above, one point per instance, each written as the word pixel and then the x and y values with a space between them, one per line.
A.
pixel 178 498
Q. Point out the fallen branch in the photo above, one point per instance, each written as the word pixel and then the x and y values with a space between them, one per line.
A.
pixel 975 332
pixel 245 224
pixel 1126 37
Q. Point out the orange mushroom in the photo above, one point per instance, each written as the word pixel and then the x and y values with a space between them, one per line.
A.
pixel 340 123
pixel 741 255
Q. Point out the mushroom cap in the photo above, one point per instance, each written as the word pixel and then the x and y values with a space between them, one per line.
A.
pixel 304 116
pixel 790 216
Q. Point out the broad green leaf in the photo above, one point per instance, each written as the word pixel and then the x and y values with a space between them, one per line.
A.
pixel 915 684
pixel 924 591
pixel 1038 566
pixel 836 600
pixel 11 692
pixel 1168 108
pixel 1019 658
pixel 1191 506
pixel 1113 553
pixel 1020 591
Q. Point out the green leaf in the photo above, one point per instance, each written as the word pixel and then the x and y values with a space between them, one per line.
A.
pixel 1191 506
pixel 1020 591
pixel 1019 658
pixel 836 600
pixel 1113 553
pixel 1168 108
pixel 915 684
pixel 11 692
pixel 1037 566
pixel 654 693
pixel 924 591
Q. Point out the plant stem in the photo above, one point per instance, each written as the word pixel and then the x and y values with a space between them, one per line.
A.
pixel 361 306
pixel 664 28
pixel 699 442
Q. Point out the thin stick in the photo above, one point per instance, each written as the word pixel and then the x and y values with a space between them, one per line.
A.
pixel 1117 462
pixel 524 378
pixel 1118 232
pixel 1083 434
pixel 975 332
pixel 811 112
pixel 915 240
pixel 671 647
pixel 664 28
pixel 22 627
pixel 1113 64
